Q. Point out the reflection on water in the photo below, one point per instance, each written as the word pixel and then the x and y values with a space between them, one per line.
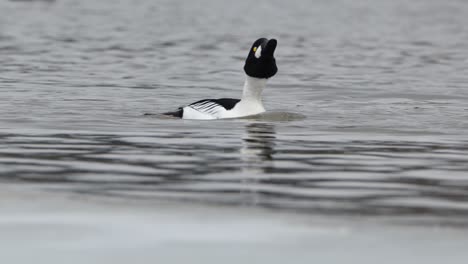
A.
pixel 257 158
pixel 258 146
pixel 262 169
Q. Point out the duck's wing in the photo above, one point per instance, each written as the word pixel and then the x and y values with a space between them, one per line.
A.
pixel 205 109
pixel 214 107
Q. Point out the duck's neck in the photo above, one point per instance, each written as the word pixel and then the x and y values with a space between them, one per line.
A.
pixel 253 88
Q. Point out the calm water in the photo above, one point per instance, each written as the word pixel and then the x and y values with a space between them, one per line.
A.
pixel 382 85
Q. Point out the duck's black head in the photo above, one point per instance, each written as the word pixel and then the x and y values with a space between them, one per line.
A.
pixel 260 62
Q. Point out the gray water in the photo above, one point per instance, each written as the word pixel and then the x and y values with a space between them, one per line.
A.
pixel 367 116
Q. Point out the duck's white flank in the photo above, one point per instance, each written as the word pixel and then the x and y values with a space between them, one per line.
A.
pixel 250 103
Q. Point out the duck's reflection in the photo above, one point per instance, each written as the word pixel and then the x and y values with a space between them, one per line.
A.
pixel 257 159
pixel 258 146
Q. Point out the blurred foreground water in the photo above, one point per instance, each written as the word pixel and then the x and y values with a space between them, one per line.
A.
pixel 367 120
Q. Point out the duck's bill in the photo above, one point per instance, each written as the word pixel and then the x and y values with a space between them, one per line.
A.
pixel 270 47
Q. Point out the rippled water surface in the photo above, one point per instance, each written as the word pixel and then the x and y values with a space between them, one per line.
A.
pixel 368 114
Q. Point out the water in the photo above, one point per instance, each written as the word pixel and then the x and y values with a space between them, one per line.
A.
pixel 367 115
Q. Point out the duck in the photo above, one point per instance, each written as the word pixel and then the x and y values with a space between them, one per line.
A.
pixel 260 65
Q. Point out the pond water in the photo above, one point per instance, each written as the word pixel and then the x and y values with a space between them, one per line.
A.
pixel 367 116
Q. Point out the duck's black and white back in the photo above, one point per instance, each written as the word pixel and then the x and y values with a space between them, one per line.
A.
pixel 259 66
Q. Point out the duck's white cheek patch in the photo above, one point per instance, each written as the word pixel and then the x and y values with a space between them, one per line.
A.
pixel 258 52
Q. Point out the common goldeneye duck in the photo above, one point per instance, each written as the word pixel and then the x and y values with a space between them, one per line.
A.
pixel 259 66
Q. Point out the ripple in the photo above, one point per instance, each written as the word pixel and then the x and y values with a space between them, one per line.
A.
pixel 362 120
pixel 367 177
